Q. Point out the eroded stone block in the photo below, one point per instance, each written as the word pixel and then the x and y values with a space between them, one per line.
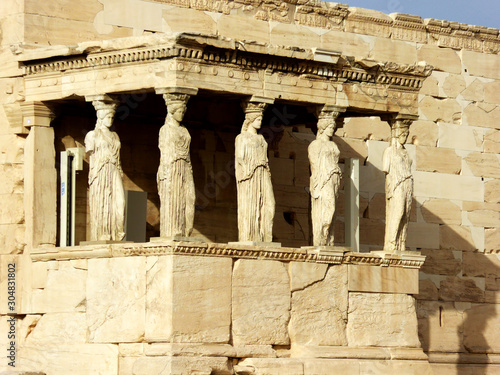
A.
pixel 481 324
pixel 383 279
pixel 260 303
pixel 70 358
pixel 116 299
pixel 319 310
pixel 460 289
pixel 366 327
pixel 440 326
pixel 188 299
pixel 64 291
pixel 443 160
pixel 441 211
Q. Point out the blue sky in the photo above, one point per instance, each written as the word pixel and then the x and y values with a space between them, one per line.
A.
pixel 475 12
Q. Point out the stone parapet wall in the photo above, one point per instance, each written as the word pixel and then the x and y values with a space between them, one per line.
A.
pixel 147 311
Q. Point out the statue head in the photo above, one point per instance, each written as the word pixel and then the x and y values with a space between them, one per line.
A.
pixel 176 105
pixel 105 113
pixel 253 116
pixel 327 123
pixel 400 129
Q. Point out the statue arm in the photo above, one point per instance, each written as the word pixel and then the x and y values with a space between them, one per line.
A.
pixel 241 168
pixel 89 142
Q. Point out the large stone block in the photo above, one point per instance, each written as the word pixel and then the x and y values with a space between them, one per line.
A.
pixel 319 310
pixel 188 299
pixel 351 148
pixel 477 264
pixel 51 30
pixel 365 326
pixel 444 59
pixel 260 302
pixel 348 43
pixel 11 209
pixel 423 133
pixel 474 91
pixel 491 91
pixel 456 237
pixel 116 299
pixel 440 326
pixel 430 87
pixel 396 51
pixel 460 289
pixel 423 235
pixel 12 238
pixel 453 85
pixel 492 141
pixel 59 329
pixel 70 358
pixel 66 9
pixel 182 19
pixel 441 262
pixel 441 211
pixel 64 291
pixel 371 232
pixel 481 324
pixel 460 137
pixel 382 279
pixel 283 34
pixel 446 110
pixel 367 128
pixel 11 178
pixel 482 115
pixel 231 26
pixel 484 165
pixel 492 240
pixel 167 365
pixel 12 149
pixel 481 64
pixel 274 366
pixel 427 290
pixel 433 159
pixel 448 186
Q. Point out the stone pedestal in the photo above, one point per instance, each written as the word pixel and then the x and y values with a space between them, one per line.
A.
pixel 185 306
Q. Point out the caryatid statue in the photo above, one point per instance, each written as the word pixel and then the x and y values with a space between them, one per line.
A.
pixel 106 192
pixel 253 179
pixel 398 187
pixel 175 173
pixel 325 178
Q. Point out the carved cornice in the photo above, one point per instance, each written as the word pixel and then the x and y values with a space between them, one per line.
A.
pixel 338 255
pixel 341 17
pixel 213 50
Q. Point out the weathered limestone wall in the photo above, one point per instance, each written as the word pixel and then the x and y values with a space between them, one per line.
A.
pixel 455 147
pixel 166 308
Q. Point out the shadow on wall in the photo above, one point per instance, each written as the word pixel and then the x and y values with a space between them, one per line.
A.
pixel 457 308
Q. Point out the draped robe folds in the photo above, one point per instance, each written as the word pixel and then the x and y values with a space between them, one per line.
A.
pixel 106 192
pixel 254 188
pixel 399 192
pixel 324 187
pixel 175 182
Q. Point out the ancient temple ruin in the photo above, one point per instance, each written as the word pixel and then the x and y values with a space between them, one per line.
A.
pixel 319 189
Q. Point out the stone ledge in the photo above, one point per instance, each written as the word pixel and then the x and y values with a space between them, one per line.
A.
pixel 338 255
pixel 357 353
pixel 465 358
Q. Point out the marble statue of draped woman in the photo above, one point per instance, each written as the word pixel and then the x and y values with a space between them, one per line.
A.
pixel 175 173
pixel 106 192
pixel 324 182
pixel 398 191
pixel 256 203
